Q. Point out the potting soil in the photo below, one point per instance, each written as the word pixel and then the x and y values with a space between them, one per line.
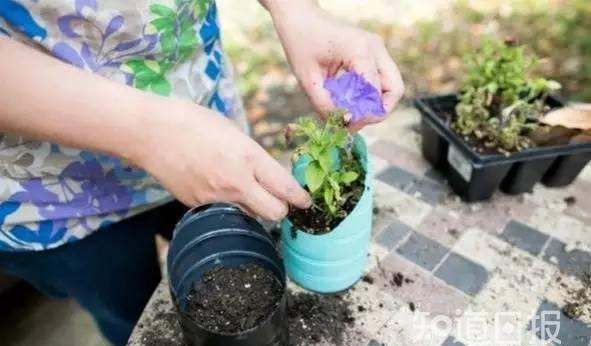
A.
pixel 233 300
pixel 313 220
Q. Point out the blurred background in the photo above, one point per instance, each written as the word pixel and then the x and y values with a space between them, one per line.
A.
pixel 427 39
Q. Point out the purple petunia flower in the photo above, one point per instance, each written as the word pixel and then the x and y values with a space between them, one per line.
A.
pixel 355 94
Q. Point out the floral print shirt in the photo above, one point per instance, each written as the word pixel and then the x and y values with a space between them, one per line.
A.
pixel 51 194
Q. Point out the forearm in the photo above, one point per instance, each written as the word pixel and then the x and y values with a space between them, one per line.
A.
pixel 279 7
pixel 44 98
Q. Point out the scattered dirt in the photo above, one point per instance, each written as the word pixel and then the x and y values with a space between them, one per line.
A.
pixel 380 210
pixel 570 200
pixel 276 234
pixel 313 220
pixel 232 300
pixel 164 329
pixel 579 301
pixel 313 318
pixel 367 279
pixel 453 232
pixel 165 332
pixel 398 279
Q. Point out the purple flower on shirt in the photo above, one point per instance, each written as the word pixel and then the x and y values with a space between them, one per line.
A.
pixel 355 94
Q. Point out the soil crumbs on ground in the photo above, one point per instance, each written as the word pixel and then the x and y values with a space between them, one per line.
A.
pixel 164 330
pixel 579 301
pixel 231 300
pixel 313 318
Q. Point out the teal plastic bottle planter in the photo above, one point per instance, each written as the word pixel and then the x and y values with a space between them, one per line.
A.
pixel 334 261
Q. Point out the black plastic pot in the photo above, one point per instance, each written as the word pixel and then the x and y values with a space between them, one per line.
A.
pixel 220 234
pixel 474 176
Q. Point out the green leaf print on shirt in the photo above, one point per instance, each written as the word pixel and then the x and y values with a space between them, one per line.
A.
pixel 149 75
pixel 178 40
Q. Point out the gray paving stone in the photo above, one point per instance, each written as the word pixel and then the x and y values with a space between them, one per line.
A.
pixel 423 251
pixel 575 262
pixel 390 236
pixel 524 237
pixel 463 274
pixel 397 177
pixel 570 332
pixel 435 175
pixel 425 189
pixel 428 191
pixel 451 341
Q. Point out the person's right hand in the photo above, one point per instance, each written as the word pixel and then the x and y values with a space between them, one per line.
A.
pixel 202 157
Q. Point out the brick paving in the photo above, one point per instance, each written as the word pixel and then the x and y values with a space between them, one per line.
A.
pixel 478 274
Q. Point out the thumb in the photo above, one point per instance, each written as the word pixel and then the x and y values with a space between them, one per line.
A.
pixel 313 84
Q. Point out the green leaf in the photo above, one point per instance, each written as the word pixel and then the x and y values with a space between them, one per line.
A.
pixel 185 23
pixel 167 42
pixel 161 10
pixel 163 23
pixel 141 83
pixel 325 160
pixel 349 177
pixel 307 127
pixel 187 42
pixel 200 8
pixel 315 150
pixel 329 200
pixel 160 86
pixel 335 186
pixel 133 65
pixel 144 72
pixel 340 137
pixel 314 176
pixel 153 65
pixel 165 66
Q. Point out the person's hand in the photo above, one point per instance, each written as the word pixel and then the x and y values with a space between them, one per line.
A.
pixel 201 157
pixel 319 46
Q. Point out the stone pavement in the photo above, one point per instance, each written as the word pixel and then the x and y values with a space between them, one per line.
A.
pixel 443 272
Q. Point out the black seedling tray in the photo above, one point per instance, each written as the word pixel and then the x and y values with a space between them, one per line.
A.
pixel 474 176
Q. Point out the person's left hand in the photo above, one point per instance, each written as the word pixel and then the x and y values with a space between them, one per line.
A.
pixel 319 46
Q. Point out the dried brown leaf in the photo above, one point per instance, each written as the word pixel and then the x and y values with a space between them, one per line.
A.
pixel 573 118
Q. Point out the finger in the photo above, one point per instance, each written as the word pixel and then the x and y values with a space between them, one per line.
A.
pixel 368 68
pixel 259 201
pixel 276 180
pixel 247 210
pixel 390 78
pixel 313 84
pixel 368 120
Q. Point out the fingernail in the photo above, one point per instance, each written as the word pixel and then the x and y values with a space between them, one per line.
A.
pixel 308 202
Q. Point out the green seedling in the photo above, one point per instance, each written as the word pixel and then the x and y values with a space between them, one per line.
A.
pixel 332 166
pixel 500 100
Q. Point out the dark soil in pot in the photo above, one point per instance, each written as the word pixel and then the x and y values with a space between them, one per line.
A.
pixel 233 300
pixel 314 221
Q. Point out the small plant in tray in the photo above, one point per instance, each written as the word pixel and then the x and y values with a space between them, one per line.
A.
pixel 504 129
pixel 501 102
